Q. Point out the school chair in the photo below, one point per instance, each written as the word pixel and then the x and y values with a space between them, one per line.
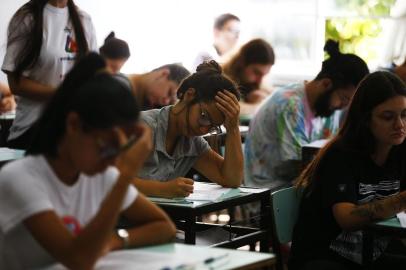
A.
pixel 284 211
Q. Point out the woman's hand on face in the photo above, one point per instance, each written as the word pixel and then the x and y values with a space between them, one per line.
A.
pixel 228 104
pixel 178 187
pixel 131 160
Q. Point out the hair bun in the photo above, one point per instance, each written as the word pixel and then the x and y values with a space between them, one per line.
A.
pixel 110 36
pixel 332 48
pixel 209 66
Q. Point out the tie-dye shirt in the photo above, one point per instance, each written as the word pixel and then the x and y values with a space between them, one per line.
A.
pixel 282 125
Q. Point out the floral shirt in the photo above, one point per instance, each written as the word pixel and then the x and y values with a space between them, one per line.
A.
pixel 282 125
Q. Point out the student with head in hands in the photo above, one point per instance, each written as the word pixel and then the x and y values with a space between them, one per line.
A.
pixel 356 179
pixel 60 203
pixel 45 39
pixel 207 100
pixel 299 114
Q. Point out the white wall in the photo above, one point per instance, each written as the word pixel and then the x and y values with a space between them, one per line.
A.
pixel 7 9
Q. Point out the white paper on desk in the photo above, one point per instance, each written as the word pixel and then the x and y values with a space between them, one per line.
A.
pixel 402 219
pixel 139 260
pixel 210 192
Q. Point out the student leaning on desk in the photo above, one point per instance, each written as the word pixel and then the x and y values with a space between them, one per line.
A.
pixel 356 179
pixel 207 99
pixel 61 202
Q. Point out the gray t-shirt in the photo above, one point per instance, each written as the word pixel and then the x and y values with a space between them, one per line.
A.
pixel 160 165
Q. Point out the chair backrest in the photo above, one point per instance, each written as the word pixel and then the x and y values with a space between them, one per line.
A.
pixel 285 206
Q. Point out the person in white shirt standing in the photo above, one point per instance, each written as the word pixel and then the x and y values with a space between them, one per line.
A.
pixel 61 202
pixel 226 32
pixel 45 38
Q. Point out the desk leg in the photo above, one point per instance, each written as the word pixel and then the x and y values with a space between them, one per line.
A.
pixel 367 248
pixel 265 222
pixel 190 232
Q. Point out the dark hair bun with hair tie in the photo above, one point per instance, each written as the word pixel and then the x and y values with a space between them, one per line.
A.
pixel 332 48
pixel 110 36
pixel 114 48
pixel 209 66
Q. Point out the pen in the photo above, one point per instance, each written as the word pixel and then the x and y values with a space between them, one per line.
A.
pixel 213 259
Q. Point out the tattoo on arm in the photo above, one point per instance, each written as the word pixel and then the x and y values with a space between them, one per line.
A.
pixel 380 208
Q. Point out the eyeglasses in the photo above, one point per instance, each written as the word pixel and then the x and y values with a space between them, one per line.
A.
pixel 109 151
pixel 205 120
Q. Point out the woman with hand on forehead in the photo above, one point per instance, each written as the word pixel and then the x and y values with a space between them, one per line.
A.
pixel 207 100
pixel 61 202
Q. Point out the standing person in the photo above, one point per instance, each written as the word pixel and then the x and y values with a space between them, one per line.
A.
pixel 61 202
pixel 248 67
pixel 355 180
pixel 207 100
pixel 226 31
pixel 299 114
pixel 45 38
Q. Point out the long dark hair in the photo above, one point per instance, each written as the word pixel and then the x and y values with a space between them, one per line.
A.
pixel 256 51
pixel 207 81
pixel 100 100
pixel 29 54
pixel 355 135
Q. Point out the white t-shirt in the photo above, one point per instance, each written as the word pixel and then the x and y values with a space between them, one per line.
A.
pixel 56 58
pixel 29 186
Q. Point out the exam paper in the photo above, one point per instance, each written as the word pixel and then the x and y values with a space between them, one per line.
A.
pixel 402 218
pixel 139 260
pixel 210 192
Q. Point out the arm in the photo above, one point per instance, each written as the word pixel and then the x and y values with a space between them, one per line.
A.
pixel 29 88
pixel 149 220
pixel 351 216
pixel 178 187
pixel 82 251
pixel 7 99
pixel 228 171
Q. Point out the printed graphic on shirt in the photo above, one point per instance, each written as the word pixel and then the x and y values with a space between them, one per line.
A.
pixel 72 224
pixel 70 45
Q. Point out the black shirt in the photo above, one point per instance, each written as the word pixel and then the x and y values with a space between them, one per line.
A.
pixel 343 177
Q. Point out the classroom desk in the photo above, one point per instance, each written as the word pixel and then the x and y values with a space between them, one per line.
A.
pixel 172 256
pixel 310 150
pixel 185 216
pixel 390 227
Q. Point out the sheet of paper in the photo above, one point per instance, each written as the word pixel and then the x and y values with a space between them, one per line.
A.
pixel 167 200
pixel 402 218
pixel 133 259
pixel 140 260
pixel 210 192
